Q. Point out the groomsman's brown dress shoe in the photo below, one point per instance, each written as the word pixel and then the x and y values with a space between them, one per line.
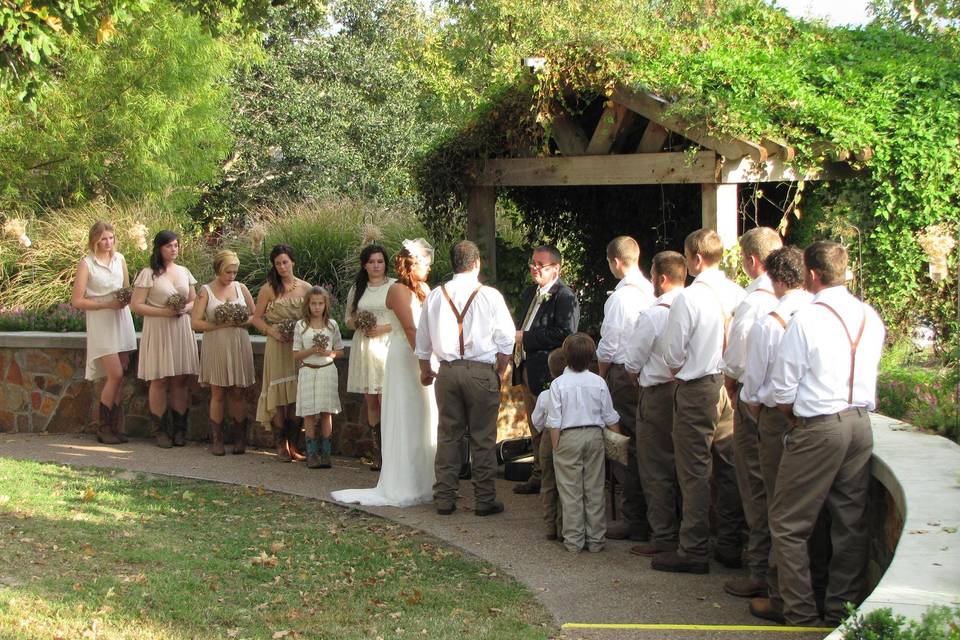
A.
pixel 673 562
pixel 767 609
pixel 746 587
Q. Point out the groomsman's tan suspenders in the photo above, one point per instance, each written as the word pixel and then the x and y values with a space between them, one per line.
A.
pixel 853 343
pixel 460 314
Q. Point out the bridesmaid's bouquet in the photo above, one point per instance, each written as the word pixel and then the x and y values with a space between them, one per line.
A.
pixel 231 313
pixel 124 295
pixel 176 302
pixel 365 320
pixel 285 327
pixel 321 341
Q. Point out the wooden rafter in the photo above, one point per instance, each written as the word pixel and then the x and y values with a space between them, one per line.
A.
pixel 614 120
pixel 648 168
pixel 653 138
pixel 655 108
pixel 569 136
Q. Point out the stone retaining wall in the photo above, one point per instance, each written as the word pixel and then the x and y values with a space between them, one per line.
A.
pixel 42 390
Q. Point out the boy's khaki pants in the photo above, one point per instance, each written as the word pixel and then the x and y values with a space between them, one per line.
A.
pixel 578 464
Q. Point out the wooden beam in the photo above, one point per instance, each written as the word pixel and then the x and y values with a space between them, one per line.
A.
pixel 569 136
pixel 746 170
pixel 648 168
pixel 655 108
pixel 482 228
pixel 719 211
pixel 615 119
pixel 778 149
pixel 653 138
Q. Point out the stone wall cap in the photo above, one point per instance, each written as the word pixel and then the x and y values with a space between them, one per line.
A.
pixel 78 340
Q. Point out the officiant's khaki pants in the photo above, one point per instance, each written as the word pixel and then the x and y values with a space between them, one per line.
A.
pixel 468 395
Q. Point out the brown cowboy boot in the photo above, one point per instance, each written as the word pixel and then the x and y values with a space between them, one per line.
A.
pixel 158 426
pixel 104 432
pixel 179 424
pixel 239 436
pixel 280 442
pixel 116 423
pixel 216 438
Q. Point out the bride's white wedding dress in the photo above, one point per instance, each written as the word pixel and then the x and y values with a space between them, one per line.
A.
pixel 409 422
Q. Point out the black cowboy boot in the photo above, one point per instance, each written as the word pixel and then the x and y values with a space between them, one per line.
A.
pixel 239 436
pixel 116 424
pixel 179 424
pixel 294 429
pixel 158 427
pixel 104 423
pixel 216 438
pixel 280 442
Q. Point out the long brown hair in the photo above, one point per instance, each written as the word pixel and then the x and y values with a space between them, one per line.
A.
pixel 328 303
pixel 403 264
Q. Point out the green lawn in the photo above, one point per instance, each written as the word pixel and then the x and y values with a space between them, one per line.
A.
pixel 105 555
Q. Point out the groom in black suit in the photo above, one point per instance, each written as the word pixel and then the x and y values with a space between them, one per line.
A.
pixel 548 313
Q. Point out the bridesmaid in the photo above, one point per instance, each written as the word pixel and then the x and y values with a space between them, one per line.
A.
pixel 226 356
pixel 168 347
pixel 279 299
pixel 110 333
pixel 368 353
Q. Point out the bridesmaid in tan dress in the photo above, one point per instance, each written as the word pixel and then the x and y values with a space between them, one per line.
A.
pixel 279 300
pixel 368 355
pixel 110 334
pixel 168 347
pixel 226 356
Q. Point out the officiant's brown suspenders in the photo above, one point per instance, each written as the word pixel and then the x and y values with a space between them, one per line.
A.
pixel 460 314
pixel 853 343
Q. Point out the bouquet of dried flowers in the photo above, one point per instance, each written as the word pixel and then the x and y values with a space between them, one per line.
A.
pixel 285 327
pixel 937 242
pixel 231 313
pixel 176 302
pixel 124 295
pixel 321 341
pixel 615 445
pixel 365 320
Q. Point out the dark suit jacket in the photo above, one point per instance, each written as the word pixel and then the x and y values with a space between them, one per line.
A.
pixel 556 318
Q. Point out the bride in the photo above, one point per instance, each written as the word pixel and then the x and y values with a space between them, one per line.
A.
pixel 409 409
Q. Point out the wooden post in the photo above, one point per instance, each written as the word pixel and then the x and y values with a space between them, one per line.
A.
pixel 482 228
pixel 719 211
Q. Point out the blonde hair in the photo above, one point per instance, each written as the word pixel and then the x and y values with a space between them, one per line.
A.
pixel 97 230
pixel 760 242
pixel 706 243
pixel 224 258
pixel 625 248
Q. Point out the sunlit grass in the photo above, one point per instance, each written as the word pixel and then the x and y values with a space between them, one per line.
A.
pixel 119 555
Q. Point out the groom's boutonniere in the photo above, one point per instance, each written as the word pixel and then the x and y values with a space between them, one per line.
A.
pixel 544 297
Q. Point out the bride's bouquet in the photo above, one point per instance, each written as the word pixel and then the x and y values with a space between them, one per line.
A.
pixel 365 320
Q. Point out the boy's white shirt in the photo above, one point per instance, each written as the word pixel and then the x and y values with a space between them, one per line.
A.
pixel 579 398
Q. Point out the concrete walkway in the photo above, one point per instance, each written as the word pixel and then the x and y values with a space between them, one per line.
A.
pixel 612 587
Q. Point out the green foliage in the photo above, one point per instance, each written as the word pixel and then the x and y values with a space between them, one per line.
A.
pixel 743 69
pixel 143 114
pixel 913 388
pixel 59 318
pixel 335 110
pixel 42 275
pixel 937 623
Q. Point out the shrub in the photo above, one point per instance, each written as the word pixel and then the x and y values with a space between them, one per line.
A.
pixel 59 318
pixel 42 275
pixel 937 623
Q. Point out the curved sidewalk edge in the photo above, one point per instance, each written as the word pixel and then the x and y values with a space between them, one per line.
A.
pixel 922 474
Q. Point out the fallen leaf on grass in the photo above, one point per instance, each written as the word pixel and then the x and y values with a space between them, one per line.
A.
pixel 276 547
pixel 233 633
pixel 88 550
pixel 264 560
pixel 495 611
pixel 281 634
pixel 88 495
pixel 415 598
pixel 188 495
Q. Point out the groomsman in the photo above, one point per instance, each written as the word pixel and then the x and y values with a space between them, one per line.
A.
pixel 785 270
pixel 468 327
pixel 755 245
pixel 654 441
pixel 824 381
pixel 692 347
pixel 633 294
pixel 547 314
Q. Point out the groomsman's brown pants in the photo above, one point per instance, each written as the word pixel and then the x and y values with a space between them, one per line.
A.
pixel 746 445
pixel 468 395
pixel 703 445
pixel 826 460
pixel 656 464
pixel 625 395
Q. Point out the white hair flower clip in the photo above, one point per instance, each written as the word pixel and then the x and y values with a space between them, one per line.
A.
pixel 420 249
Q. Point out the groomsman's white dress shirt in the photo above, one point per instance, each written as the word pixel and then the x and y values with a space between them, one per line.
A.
pixel 763 344
pixel 643 357
pixel 759 301
pixel 488 328
pixel 633 294
pixel 693 339
pixel 812 370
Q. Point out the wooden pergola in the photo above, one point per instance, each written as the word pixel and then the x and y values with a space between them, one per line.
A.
pixel 719 164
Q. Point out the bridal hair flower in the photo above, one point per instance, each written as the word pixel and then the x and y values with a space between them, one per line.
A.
pixel 16 228
pixel 419 249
